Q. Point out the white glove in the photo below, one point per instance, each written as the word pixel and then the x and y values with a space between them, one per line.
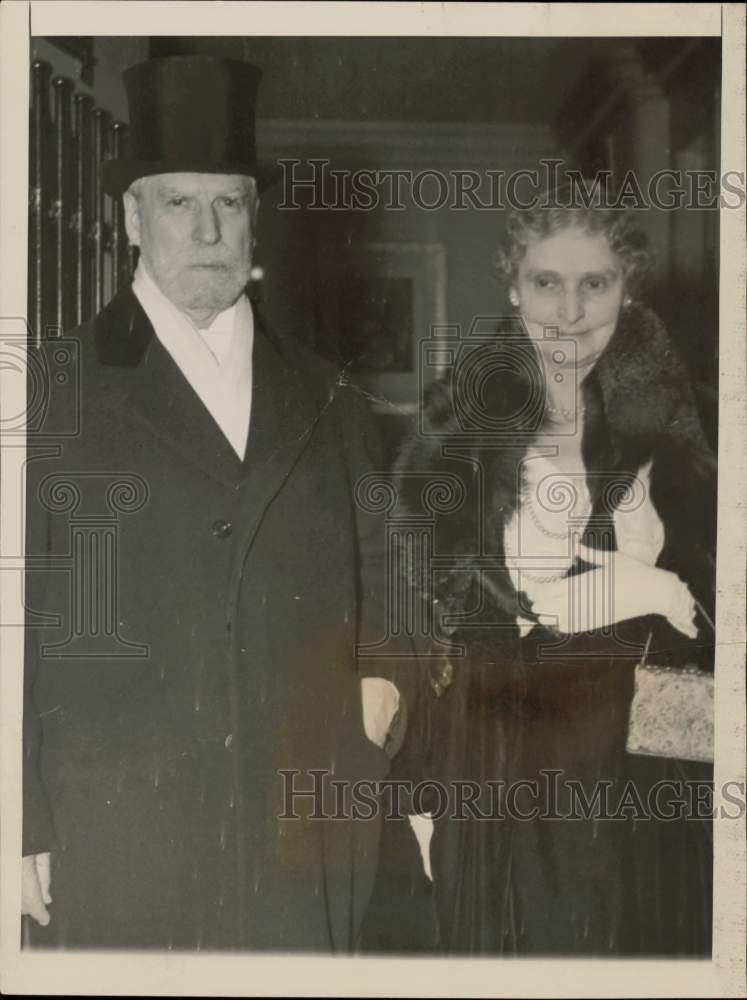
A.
pixel 35 887
pixel 380 703
pixel 619 589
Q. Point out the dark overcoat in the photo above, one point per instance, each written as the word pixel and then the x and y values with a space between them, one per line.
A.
pixel 514 709
pixel 192 622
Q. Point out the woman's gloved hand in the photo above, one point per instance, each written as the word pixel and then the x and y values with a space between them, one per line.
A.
pixel 617 589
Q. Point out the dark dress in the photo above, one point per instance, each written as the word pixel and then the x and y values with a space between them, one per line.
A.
pixel 549 884
pixel 514 709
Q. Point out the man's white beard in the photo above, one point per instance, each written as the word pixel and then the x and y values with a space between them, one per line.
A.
pixel 194 289
pixel 214 290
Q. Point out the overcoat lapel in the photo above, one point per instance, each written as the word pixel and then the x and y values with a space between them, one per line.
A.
pixel 284 405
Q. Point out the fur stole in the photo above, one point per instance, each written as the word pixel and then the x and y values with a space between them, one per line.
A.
pixel 480 418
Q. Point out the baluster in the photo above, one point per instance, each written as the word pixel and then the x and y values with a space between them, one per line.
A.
pixel 100 131
pixel 120 259
pixel 60 205
pixel 83 214
pixel 39 132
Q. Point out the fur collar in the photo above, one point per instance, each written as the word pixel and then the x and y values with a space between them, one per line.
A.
pixel 639 407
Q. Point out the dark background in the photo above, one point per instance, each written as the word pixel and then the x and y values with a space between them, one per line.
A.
pixel 456 103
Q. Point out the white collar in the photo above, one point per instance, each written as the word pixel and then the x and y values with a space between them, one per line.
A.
pixel 217 361
pixel 163 314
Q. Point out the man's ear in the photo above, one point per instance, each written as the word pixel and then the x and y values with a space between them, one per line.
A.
pixel 132 218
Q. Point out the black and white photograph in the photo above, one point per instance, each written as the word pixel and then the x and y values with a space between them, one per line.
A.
pixel 373 536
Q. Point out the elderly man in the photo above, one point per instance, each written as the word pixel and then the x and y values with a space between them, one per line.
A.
pixel 192 633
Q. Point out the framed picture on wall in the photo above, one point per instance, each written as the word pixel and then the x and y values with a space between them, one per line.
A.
pixel 379 300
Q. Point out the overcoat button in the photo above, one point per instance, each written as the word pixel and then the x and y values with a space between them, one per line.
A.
pixel 229 741
pixel 221 528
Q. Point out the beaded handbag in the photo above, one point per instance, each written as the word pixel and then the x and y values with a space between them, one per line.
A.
pixel 671 714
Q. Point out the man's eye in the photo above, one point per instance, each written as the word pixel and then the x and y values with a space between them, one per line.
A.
pixel 177 201
pixel 229 202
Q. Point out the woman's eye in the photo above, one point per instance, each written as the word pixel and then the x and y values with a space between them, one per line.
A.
pixel 177 202
pixel 544 282
pixel 229 202
pixel 596 284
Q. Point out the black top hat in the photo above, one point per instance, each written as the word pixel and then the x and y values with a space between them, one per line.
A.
pixel 191 114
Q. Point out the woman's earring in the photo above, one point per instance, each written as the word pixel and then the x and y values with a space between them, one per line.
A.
pixel 627 301
pixel 513 298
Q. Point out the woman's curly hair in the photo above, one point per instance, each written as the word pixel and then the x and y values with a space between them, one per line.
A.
pixel 625 239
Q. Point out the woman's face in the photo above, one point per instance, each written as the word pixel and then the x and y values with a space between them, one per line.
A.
pixel 573 283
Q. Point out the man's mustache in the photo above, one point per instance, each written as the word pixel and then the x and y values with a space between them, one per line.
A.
pixel 213 257
pixel 224 262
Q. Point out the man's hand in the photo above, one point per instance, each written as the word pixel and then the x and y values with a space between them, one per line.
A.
pixel 35 883
pixel 380 703
pixel 618 589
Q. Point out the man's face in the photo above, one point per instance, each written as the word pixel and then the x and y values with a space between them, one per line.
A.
pixel 195 233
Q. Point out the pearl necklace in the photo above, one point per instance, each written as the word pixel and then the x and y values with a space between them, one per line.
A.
pixel 529 500
pixel 539 515
pixel 569 416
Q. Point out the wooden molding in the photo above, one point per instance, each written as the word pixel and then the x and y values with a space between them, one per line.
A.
pixel 401 144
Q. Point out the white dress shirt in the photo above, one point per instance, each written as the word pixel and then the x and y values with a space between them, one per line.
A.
pixel 216 361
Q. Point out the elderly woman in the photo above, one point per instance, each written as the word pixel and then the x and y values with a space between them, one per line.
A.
pixel 574 525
